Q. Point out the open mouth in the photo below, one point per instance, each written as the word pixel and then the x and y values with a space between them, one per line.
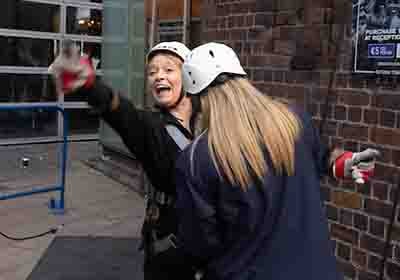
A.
pixel 162 88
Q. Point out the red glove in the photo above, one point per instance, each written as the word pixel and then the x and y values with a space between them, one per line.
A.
pixel 72 71
pixel 356 166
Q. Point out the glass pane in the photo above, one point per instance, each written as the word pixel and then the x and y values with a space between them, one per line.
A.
pixel 83 121
pixel 26 52
pixel 27 88
pixel 30 16
pixel 84 21
pixel 27 124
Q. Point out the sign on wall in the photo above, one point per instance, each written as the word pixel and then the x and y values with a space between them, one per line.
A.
pixel 376 36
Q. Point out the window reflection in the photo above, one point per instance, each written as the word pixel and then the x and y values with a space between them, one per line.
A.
pixel 84 21
pixel 26 52
pixel 29 16
pixel 27 124
pixel 27 88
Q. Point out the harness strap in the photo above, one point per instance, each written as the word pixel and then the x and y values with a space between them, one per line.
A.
pixel 163 244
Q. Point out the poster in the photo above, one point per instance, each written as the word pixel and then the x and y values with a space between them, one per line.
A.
pixel 376 36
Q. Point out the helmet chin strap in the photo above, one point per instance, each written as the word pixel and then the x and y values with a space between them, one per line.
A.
pixel 181 96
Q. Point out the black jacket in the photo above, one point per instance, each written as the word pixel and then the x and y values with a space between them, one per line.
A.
pixel 144 134
pixel 276 230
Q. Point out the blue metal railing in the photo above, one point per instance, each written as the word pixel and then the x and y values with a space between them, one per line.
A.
pixel 60 185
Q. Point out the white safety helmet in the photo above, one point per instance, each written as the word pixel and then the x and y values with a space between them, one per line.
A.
pixel 176 48
pixel 205 63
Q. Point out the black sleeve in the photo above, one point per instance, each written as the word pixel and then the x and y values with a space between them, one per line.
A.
pixel 131 124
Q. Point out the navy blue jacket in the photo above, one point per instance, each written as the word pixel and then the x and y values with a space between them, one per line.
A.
pixel 276 230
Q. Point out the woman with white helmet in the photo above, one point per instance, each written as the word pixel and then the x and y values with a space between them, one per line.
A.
pixel 155 138
pixel 248 186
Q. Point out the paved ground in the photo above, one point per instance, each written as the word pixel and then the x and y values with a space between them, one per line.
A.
pixel 96 206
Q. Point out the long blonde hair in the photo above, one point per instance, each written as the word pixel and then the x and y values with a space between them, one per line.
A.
pixel 242 124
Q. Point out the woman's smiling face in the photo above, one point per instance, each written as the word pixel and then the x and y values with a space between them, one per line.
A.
pixel 164 79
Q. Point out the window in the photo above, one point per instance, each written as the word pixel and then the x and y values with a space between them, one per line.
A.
pixel 26 15
pixel 84 21
pixel 30 35
pixel 27 88
pixel 26 52
pixel 83 121
pixel 28 124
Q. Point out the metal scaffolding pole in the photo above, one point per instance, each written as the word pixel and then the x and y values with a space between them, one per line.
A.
pixel 153 23
pixel 187 15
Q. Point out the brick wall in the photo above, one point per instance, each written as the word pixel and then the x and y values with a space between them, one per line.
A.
pixel 289 48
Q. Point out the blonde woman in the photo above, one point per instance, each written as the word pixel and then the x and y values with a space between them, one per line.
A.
pixel 248 187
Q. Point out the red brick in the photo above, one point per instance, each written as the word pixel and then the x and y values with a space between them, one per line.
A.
pixel 263 6
pixel 385 173
pixel 250 20
pixel 380 190
pixel 372 244
pixel 341 81
pixel 343 251
pixel 347 199
pixel 279 61
pixel 332 212
pixel 330 128
pixel 388 118
pixel 359 257
pixel 354 131
pixel 364 275
pixel 240 8
pixel 393 270
pixel 284 47
pixel 354 98
pixel 345 234
pixel 264 19
pixel 385 136
pixel 285 18
pixel 355 114
pixel 388 101
pixel 340 113
pixel 378 208
pixel 370 116
pixel 346 217
pixel 374 263
pixel 396 157
pixel 351 145
pixel 258 34
pixel 290 33
pixel 237 35
pixel 286 5
pixel 360 221
pixel 397 252
pixel 314 15
pixel 348 269
pixel 377 228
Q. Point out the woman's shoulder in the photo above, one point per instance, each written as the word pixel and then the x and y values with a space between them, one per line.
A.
pixel 195 152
